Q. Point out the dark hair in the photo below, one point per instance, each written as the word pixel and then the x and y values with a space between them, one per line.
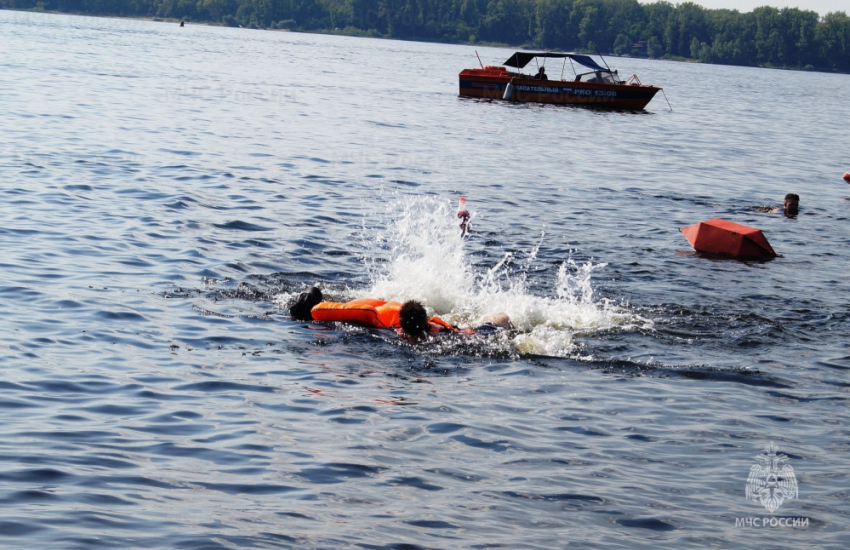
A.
pixel 300 310
pixel 793 207
pixel 413 318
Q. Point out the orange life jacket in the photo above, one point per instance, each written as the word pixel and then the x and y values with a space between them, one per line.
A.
pixel 370 312
pixel 365 311
pixel 435 324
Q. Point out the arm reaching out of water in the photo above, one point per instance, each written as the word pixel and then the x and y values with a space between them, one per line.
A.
pixel 463 214
pixel 500 320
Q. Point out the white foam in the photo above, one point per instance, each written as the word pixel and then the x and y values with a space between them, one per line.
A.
pixel 427 258
pixel 421 255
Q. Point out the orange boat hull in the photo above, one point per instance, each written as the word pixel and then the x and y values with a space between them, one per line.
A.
pixel 719 236
pixel 490 83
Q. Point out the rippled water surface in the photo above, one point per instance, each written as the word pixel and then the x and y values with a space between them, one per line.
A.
pixel 165 192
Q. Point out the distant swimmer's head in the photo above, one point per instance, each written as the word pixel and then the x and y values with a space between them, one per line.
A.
pixel 792 204
pixel 413 319
pixel 300 310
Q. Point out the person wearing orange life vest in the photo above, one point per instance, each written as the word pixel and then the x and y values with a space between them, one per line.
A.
pixel 410 317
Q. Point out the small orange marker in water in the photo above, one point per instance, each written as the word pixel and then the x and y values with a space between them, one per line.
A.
pixel 463 214
pixel 847 177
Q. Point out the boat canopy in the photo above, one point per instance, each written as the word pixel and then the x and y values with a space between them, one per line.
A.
pixel 521 59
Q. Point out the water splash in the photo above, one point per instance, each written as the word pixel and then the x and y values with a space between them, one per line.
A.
pixel 421 255
pixel 426 257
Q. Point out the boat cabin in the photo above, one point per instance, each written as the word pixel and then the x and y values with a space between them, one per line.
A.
pixel 597 72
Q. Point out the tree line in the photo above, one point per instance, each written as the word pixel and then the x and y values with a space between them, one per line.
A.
pixel 767 36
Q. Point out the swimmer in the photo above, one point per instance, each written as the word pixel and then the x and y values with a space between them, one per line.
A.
pixel 409 318
pixel 414 322
pixel 791 206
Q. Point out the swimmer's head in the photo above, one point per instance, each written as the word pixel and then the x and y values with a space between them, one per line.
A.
pixel 301 309
pixel 413 319
pixel 792 204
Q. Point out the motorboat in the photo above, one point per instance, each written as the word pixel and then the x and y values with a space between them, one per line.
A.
pixel 592 85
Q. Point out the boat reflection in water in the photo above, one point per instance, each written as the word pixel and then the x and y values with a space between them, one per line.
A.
pixel 599 87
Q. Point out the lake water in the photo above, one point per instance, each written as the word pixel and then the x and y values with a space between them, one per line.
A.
pixel 166 192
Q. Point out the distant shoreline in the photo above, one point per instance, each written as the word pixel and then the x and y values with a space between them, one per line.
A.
pixel 359 33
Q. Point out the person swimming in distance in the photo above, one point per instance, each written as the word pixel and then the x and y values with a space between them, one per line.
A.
pixel 790 207
pixel 409 318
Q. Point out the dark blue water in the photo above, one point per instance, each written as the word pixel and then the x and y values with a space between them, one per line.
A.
pixel 166 192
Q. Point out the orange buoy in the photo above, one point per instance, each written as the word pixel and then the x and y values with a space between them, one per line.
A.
pixel 719 236
pixel 847 177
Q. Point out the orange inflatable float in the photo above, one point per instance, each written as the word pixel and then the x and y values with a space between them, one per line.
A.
pixel 365 311
pixel 847 177
pixel 719 236
pixel 370 312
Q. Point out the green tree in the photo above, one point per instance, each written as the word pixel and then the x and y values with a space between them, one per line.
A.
pixel 622 44
pixel 695 47
pixel 788 37
pixel 653 47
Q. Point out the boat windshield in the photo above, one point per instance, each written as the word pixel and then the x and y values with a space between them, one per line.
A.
pixel 608 78
pixel 600 76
